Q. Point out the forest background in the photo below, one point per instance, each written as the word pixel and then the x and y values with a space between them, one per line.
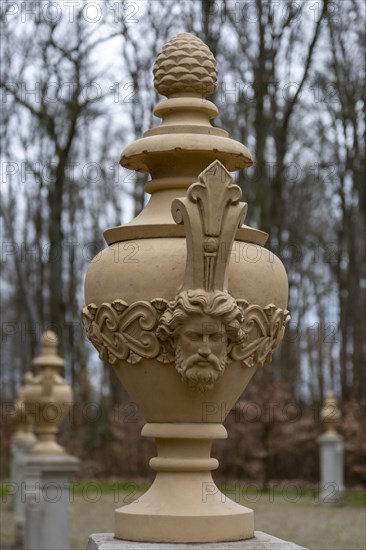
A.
pixel 76 88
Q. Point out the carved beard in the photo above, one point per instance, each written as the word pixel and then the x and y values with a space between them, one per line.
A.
pixel 200 378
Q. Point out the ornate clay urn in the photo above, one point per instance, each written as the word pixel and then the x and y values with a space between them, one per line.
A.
pixel 179 308
pixel 47 396
pixel 24 423
pixel 330 414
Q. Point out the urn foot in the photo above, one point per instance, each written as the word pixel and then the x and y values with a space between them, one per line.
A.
pixel 47 444
pixel 184 504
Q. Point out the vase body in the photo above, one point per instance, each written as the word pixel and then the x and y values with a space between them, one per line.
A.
pixel 156 270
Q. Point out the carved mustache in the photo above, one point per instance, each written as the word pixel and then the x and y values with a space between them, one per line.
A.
pixel 193 361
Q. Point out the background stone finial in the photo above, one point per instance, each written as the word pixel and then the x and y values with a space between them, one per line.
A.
pixel 330 414
pixel 47 392
pixel 49 355
pixel 23 421
pixel 49 342
pixel 185 65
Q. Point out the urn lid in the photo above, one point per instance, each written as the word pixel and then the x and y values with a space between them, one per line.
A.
pixel 185 143
pixel 185 72
pixel 49 357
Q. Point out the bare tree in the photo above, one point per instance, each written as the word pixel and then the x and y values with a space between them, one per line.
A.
pixel 51 97
pixel 340 94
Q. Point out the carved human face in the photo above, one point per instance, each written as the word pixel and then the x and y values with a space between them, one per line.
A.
pixel 201 351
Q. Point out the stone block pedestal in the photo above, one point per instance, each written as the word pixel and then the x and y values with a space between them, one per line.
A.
pixel 47 501
pixel 261 541
pixel 331 469
pixel 20 455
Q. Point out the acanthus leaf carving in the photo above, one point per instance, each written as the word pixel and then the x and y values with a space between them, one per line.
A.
pixel 211 212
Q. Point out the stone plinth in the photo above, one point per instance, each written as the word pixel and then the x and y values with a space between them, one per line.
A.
pixel 331 454
pixel 261 541
pixel 331 468
pixel 20 455
pixel 21 444
pixel 47 502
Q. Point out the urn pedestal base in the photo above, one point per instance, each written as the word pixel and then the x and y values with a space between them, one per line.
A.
pixel 184 504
